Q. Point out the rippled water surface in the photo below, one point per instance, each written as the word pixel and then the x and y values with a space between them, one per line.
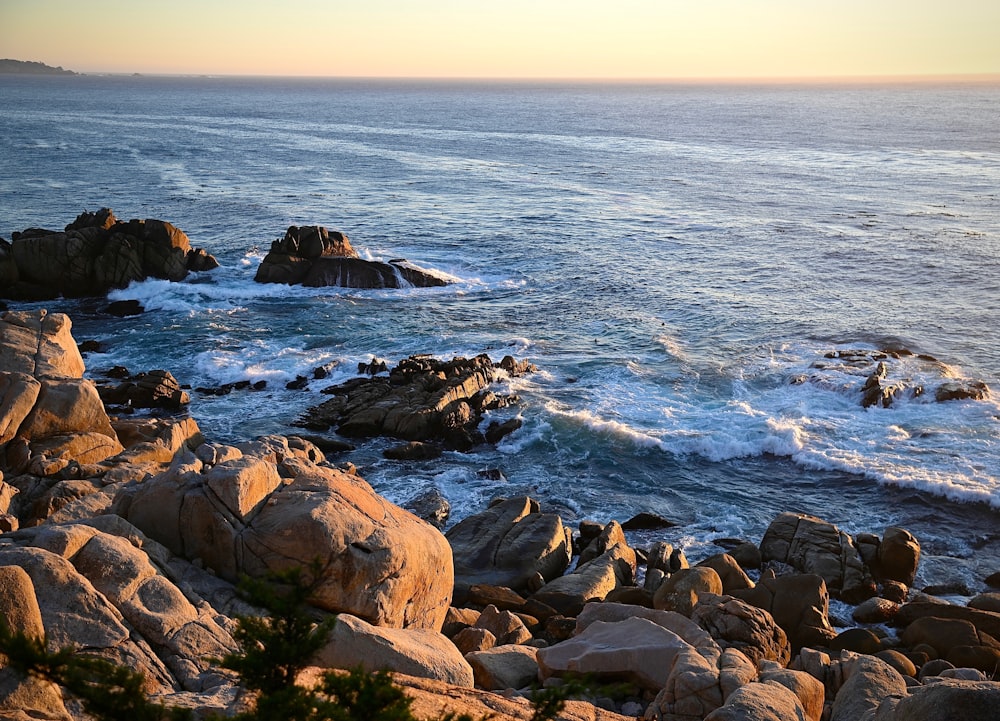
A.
pixel 678 260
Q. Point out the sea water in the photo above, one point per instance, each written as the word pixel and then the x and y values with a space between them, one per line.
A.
pixel 693 269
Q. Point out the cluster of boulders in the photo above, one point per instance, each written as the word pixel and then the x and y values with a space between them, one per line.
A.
pixel 881 391
pixel 94 254
pixel 422 400
pixel 315 257
pixel 127 548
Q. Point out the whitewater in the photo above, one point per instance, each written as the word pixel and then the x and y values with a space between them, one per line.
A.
pixel 705 276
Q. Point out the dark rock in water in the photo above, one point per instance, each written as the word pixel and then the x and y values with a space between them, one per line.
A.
pixel 90 346
pixel 373 368
pixel 993 580
pixel 646 522
pixel 92 255
pixel 124 308
pixel 315 257
pixel 496 432
pixel 956 391
pixel 413 451
pixel 423 399
pixel 199 260
pixel 328 445
pixel 154 389
pixel 298 384
pixel 858 640
pixel 431 506
pixel 258 386
pixel 358 273
pixel 324 371
pixel 492 474
pixel 956 588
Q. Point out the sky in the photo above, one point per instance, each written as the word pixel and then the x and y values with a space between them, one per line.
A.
pixel 631 39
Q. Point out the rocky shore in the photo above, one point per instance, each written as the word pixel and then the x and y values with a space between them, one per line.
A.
pixel 123 536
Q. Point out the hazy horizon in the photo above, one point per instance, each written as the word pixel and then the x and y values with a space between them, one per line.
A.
pixel 634 40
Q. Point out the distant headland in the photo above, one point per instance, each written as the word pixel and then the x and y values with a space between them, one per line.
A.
pixel 30 67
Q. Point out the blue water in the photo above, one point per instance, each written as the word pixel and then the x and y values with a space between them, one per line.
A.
pixel 676 259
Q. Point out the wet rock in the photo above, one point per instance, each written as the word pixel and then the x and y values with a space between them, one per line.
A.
pixel 423 399
pixel 431 506
pixel 413 451
pixel 646 521
pixel 957 391
pixel 315 257
pixel 125 308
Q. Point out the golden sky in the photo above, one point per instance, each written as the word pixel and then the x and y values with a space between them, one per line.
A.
pixel 509 38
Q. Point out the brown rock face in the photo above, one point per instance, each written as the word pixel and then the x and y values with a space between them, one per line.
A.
pixel 94 254
pixel 380 562
pixel 49 415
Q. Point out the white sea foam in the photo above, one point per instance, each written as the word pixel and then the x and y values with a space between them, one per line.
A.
pixel 949 449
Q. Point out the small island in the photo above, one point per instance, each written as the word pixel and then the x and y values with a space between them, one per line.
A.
pixel 30 67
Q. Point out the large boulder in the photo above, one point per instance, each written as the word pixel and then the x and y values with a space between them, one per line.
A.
pixel 868 680
pixel 315 257
pixel 422 399
pixel 635 649
pixel 944 699
pixel 97 253
pixel 987 622
pixel 49 414
pixel 18 393
pixel 414 651
pixel 811 545
pixel 380 563
pixel 898 556
pixel 680 591
pixel 507 544
pixel 504 667
pixel 19 611
pixel 39 344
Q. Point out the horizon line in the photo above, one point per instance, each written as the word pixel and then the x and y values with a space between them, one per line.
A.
pixel 914 78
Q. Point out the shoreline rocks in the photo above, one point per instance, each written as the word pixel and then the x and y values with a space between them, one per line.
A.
pixel 128 548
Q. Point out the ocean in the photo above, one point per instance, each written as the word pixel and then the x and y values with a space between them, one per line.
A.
pixel 704 275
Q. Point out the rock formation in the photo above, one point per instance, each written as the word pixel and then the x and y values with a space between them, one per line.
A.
pixel 94 254
pixel 315 257
pixel 422 399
